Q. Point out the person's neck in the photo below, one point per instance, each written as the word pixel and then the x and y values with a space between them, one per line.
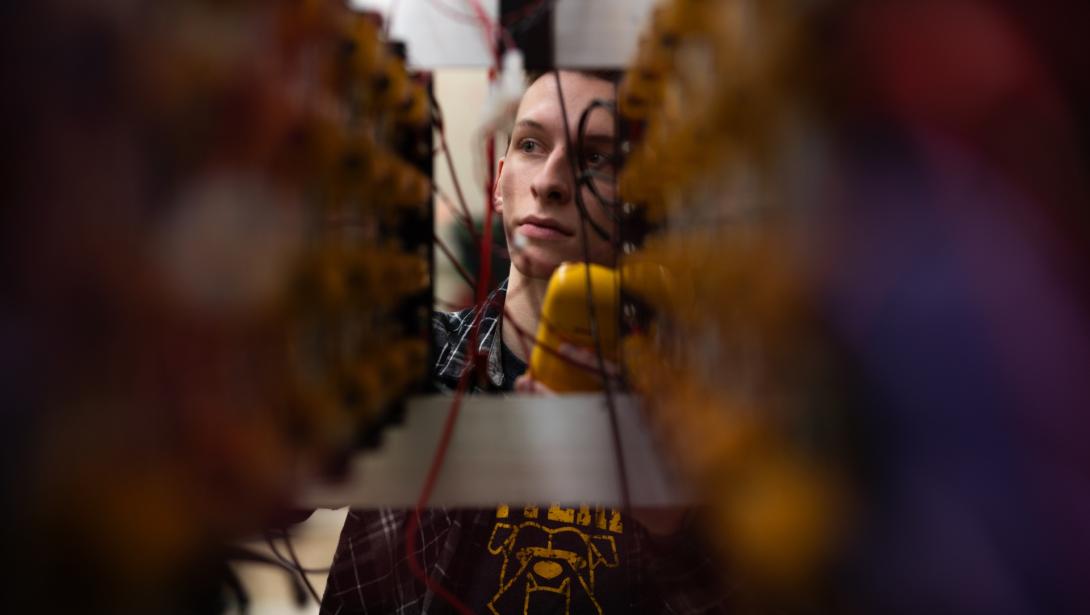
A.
pixel 522 312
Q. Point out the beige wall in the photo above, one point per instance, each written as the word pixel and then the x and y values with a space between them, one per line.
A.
pixel 461 94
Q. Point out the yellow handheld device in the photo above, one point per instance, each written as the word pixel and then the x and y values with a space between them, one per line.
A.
pixel 566 319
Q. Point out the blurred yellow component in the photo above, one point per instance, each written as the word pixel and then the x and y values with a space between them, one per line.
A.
pixel 389 275
pixel 640 91
pixel 381 375
pixel 634 105
pixel 725 365
pixel 645 280
pixel 363 48
pixel 417 107
pixel 312 14
pixel 711 435
pixel 629 183
pixel 685 18
pixel 364 388
pixel 779 518
pixel 408 186
pixel 392 84
pixel 316 149
pixel 566 319
pixel 402 363
pixel 352 177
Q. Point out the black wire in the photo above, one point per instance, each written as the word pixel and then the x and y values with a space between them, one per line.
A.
pixel 586 176
pixel 612 207
pixel 591 311
pixel 582 175
pixel 577 175
pixel 299 567
pixel 241 554
pixel 234 585
pixel 618 449
pixel 294 564
pixel 438 124
pixel 287 562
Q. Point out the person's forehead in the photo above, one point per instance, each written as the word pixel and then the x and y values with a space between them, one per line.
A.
pixel 541 103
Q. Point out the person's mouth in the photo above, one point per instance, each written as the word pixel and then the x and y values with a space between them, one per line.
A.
pixel 536 227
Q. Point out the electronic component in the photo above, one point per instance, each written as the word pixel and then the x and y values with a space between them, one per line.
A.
pixel 575 290
pixel 224 267
pixel 723 334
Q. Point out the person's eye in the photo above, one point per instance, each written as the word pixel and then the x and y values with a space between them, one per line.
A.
pixel 529 146
pixel 597 159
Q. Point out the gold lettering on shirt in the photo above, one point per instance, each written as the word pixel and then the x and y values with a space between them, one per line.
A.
pixel 615 522
pixel 561 515
pixel 584 515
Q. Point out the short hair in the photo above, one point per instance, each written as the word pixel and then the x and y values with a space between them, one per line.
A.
pixel 612 76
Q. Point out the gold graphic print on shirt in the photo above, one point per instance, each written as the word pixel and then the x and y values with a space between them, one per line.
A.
pixel 560 562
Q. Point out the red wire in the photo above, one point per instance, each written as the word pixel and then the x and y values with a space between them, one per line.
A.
pixel 454 14
pixel 441 452
pixel 480 16
pixel 426 491
pixel 455 407
pixel 454 261
pixel 452 416
pixel 483 281
pixel 490 28
pixel 441 126
pixel 458 215
pixel 445 437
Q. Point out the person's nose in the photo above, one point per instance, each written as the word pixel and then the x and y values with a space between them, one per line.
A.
pixel 553 183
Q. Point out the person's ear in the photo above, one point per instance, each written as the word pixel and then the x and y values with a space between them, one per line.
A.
pixel 497 196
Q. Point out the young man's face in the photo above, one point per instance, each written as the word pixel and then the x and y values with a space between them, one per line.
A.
pixel 535 189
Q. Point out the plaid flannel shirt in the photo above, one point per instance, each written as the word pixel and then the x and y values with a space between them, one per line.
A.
pixel 370 572
pixel 453 332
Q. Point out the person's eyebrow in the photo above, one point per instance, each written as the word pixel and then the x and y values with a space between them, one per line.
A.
pixel 528 123
pixel 599 137
pixel 588 137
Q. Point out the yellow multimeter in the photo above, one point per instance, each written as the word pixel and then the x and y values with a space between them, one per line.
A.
pixel 566 319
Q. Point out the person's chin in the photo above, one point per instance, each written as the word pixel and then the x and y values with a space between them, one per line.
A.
pixel 535 266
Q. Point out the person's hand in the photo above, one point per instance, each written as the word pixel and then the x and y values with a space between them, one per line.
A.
pixel 526 384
